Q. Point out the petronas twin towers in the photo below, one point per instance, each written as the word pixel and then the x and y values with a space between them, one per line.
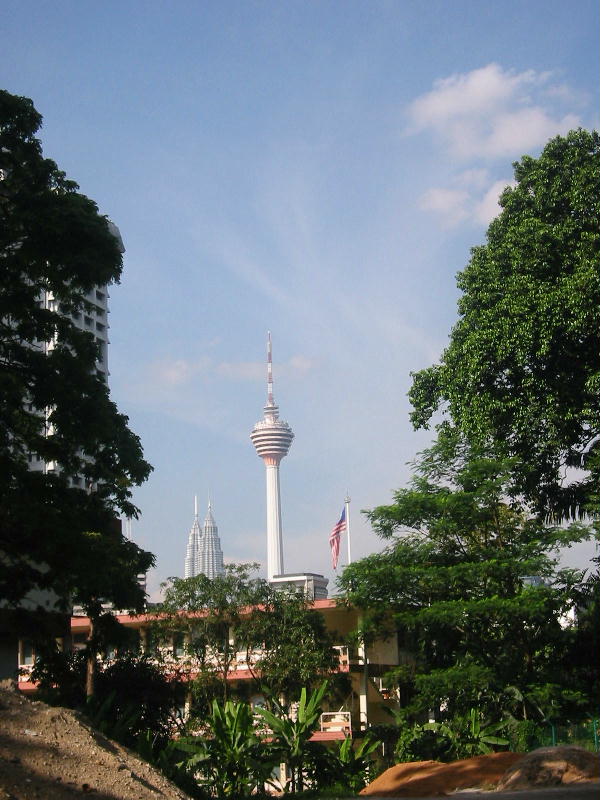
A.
pixel 204 555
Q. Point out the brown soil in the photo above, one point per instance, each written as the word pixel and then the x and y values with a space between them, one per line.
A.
pixel 53 754
pixel 431 778
pixel 546 767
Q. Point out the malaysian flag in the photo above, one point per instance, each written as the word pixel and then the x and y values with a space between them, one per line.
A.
pixel 334 537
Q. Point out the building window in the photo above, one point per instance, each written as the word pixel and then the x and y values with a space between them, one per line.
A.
pixel 178 645
pixel 79 641
pixel 151 647
pixel 27 653
pixel 110 653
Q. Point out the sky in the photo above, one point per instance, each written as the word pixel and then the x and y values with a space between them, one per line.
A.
pixel 319 170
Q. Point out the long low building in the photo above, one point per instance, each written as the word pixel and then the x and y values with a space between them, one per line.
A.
pixel 366 668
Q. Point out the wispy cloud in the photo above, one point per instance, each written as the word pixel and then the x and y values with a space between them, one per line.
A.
pixel 449 204
pixel 487 208
pixel 164 377
pixel 456 205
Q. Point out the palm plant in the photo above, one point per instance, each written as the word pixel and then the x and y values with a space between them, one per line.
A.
pixel 469 735
pixel 349 766
pixel 231 759
pixel 291 736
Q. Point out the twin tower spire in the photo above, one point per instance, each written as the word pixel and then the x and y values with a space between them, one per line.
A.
pixel 272 438
pixel 204 555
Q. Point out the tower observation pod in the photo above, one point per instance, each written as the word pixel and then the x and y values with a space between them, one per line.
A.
pixel 272 438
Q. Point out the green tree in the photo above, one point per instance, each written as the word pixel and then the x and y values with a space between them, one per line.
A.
pixel 52 401
pixel 455 583
pixel 521 371
pixel 216 622
pixel 293 647
pixel 205 620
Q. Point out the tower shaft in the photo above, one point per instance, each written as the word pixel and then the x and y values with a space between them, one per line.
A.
pixel 274 534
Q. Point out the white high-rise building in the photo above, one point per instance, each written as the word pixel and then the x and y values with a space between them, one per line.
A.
pixel 204 555
pixel 193 546
pixel 93 318
pixel 272 438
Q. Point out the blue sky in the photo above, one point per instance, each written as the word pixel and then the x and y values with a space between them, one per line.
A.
pixel 317 169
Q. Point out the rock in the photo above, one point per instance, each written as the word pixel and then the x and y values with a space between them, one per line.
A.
pixel 551 766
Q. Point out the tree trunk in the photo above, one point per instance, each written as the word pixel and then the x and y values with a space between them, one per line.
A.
pixel 91 664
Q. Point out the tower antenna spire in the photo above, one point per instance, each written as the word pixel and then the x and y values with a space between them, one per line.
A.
pixel 270 401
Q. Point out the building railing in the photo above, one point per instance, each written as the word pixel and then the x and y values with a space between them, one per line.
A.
pixel 343 657
pixel 169 657
pixel 336 721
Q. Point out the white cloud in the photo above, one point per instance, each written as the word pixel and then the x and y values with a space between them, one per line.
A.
pixel 483 115
pixel 523 130
pixel 470 94
pixel 454 206
pixel 491 112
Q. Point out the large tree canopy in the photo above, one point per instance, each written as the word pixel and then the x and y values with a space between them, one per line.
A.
pixel 470 584
pixel 522 369
pixel 52 401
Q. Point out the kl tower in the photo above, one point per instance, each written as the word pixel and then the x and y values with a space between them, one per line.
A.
pixel 272 439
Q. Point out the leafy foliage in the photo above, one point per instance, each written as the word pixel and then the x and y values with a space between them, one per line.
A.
pixel 292 734
pixel 521 371
pixel 52 401
pixel 170 760
pixel 294 647
pixel 230 757
pixel 468 735
pixel 454 583
pixel 137 683
pixel 349 766
pixel 207 617
pixel 282 642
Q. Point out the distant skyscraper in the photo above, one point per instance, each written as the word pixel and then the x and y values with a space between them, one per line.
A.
pixel 211 555
pixel 193 545
pixel 272 438
pixel 204 555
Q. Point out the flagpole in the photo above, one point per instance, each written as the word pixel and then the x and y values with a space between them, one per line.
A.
pixel 347 504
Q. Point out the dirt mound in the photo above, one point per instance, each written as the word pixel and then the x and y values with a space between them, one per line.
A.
pixel 551 766
pixel 53 754
pixel 431 778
